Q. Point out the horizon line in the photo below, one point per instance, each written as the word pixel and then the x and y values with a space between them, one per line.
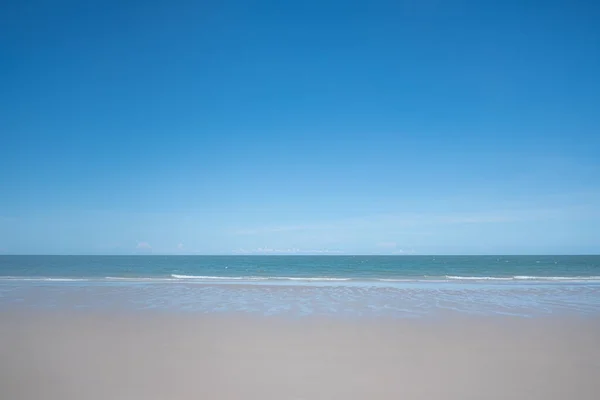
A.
pixel 304 255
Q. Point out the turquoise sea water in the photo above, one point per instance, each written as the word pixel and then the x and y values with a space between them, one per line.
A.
pixel 308 267
pixel 306 285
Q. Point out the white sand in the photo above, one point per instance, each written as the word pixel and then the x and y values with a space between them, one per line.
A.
pixel 158 356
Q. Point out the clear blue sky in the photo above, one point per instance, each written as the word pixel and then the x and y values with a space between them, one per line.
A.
pixel 220 127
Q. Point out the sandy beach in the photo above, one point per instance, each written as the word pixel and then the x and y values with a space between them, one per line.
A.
pixel 77 355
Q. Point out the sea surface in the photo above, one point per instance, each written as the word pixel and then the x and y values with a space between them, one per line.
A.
pixel 347 286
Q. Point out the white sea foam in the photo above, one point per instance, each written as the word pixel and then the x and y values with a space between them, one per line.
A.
pixel 256 278
pixel 314 279
pixel 478 278
pixel 200 278
pixel 42 279
pixel 528 278
pixel 136 279
pixel 65 279
pixel 559 278
pixel 525 278
pixel 220 278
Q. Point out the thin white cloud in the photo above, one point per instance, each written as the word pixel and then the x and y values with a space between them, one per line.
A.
pixel 277 229
pixel 325 251
pixel 269 250
pixel 412 220
pixel 392 249
pixel 180 246
pixel 143 245
pixel 402 252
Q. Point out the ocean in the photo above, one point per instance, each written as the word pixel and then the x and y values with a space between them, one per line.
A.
pixel 402 286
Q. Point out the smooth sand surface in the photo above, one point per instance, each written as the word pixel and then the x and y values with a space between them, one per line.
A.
pixel 159 356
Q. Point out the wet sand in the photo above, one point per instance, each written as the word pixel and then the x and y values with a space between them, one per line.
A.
pixel 169 356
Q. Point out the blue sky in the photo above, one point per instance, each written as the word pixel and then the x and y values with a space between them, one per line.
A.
pixel 327 127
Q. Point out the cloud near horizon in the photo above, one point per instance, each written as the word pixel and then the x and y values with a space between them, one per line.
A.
pixel 409 219
pixel 269 250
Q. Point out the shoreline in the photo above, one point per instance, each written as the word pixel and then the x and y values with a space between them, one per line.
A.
pixel 409 300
